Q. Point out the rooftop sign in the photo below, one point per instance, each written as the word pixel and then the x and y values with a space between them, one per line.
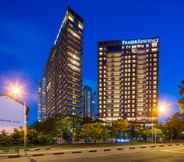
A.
pixel 139 41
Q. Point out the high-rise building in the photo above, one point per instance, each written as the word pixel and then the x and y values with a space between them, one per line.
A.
pixel 42 100
pixel 94 106
pixel 128 80
pixel 88 103
pixel 64 67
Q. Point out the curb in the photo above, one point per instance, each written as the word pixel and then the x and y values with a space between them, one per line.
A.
pixel 76 152
pixel 14 156
pixel 92 150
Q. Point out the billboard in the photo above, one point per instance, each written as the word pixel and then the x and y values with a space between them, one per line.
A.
pixel 11 114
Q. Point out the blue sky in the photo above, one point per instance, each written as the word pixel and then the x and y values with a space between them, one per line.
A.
pixel 28 30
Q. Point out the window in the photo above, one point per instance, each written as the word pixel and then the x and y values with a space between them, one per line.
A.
pixel 70 17
pixel 74 62
pixel 154 44
pixel 80 26
pixel 73 56
pixel 154 49
pixel 74 67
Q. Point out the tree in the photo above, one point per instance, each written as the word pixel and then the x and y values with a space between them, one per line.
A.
pixel 145 133
pixel 17 137
pixel 64 128
pixel 4 139
pixel 57 127
pixel 95 131
pixel 119 127
pixel 181 100
pixel 174 127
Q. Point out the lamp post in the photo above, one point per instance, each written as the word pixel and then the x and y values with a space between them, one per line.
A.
pixel 25 125
pixel 16 91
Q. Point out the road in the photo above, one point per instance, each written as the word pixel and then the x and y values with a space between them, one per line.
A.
pixel 156 154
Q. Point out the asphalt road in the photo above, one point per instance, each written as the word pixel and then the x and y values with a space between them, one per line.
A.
pixel 157 154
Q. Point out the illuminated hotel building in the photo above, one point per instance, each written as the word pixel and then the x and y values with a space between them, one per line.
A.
pixel 64 67
pixel 128 80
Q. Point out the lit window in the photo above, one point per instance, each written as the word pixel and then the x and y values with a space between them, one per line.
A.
pixel 154 49
pixel 73 55
pixel 154 44
pixel 74 62
pixel 74 67
pixel 155 59
pixel 155 55
pixel 74 33
pixel 80 26
pixel 155 68
pixel 70 17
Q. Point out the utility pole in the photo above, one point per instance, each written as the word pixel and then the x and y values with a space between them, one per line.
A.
pixel 25 125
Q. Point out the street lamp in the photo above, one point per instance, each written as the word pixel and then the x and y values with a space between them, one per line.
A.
pixel 163 108
pixel 17 91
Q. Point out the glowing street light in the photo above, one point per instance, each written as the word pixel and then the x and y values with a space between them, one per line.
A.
pixel 163 108
pixel 17 91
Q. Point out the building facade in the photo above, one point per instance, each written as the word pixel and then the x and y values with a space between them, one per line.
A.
pixel 88 108
pixel 64 67
pixel 128 80
pixel 42 100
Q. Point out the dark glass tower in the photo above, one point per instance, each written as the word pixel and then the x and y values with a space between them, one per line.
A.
pixel 88 108
pixel 42 100
pixel 128 80
pixel 64 67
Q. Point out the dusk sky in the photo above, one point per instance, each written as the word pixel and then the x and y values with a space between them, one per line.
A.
pixel 28 30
